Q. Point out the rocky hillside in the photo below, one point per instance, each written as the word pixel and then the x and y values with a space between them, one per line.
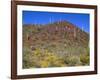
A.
pixel 61 38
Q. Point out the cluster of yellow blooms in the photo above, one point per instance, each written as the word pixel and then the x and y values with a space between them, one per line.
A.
pixel 48 59
pixel 38 59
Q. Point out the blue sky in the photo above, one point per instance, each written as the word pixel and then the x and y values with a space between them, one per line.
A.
pixel 40 17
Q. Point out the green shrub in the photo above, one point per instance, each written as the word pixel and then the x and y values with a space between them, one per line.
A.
pixel 38 59
pixel 43 59
pixel 71 60
pixel 85 58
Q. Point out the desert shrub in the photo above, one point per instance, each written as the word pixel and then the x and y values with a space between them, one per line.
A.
pixel 51 60
pixel 45 58
pixel 71 60
pixel 38 59
pixel 27 61
pixel 84 58
pixel 44 63
pixel 55 61
pixel 30 59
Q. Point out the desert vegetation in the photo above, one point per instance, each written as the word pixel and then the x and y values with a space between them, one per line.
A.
pixel 58 44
